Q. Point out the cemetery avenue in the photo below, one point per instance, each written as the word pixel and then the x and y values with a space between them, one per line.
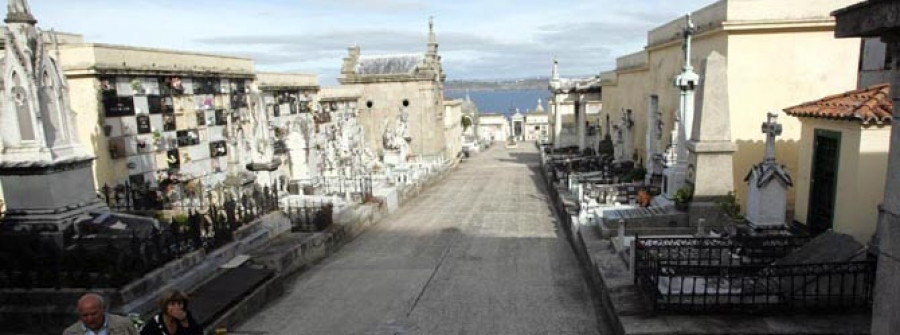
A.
pixel 382 167
pixel 479 252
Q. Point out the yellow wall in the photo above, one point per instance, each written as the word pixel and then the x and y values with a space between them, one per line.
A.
pixel 83 95
pixel 770 67
pixel 770 71
pixel 861 175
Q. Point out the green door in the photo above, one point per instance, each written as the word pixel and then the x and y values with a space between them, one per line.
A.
pixel 823 190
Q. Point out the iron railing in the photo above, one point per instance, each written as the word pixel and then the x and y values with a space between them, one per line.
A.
pixel 715 275
pixel 309 216
pixel 362 185
pixel 31 260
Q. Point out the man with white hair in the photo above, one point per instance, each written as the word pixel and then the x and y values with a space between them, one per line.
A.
pixel 93 319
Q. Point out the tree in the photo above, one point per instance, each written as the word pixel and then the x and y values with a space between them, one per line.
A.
pixel 466 122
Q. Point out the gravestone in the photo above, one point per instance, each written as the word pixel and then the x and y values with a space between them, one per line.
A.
pixel 676 172
pixel 263 161
pixel 297 151
pixel 768 183
pixel 710 146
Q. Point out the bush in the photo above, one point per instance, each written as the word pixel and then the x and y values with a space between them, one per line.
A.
pixel 684 195
pixel 731 206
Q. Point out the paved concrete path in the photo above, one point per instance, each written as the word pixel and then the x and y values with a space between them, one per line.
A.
pixel 477 253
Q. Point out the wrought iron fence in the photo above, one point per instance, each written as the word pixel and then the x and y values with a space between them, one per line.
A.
pixel 714 275
pixel 31 260
pixel 362 185
pixel 310 216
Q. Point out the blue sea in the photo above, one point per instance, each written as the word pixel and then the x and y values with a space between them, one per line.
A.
pixel 502 101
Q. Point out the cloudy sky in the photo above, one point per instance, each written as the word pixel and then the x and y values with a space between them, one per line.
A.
pixel 479 39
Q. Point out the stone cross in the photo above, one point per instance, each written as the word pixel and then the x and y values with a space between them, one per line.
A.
pixel 771 128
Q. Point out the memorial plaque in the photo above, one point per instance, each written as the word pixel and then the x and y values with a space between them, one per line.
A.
pixel 169 122
pixel 218 149
pixel 221 118
pixel 172 86
pixel 143 124
pixel 151 85
pixel 118 106
pixel 188 84
pixel 155 104
pixel 201 118
pixel 123 87
pixel 173 159
pixel 210 118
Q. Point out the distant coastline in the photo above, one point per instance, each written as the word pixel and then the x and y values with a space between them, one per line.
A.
pixel 496 85
pixel 502 101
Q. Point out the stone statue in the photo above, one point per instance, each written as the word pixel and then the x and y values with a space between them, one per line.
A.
pixel 387 138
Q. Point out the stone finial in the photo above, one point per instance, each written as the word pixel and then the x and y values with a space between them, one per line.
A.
pixel 432 39
pixel 772 129
pixel 18 11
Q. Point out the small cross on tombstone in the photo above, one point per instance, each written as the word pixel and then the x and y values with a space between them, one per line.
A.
pixel 771 128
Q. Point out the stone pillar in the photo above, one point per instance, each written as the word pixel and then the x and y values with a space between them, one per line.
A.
pixel 557 123
pixel 650 140
pixel 710 145
pixel 878 18
pixel 627 138
pixel 579 122
pixel 885 314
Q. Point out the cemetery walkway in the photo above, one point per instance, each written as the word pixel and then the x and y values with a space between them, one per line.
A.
pixel 476 253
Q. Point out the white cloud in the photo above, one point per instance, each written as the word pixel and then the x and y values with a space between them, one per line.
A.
pixel 478 39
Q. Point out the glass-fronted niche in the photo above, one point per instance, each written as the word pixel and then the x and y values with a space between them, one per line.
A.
pixel 125 95
pixel 165 128
pixel 285 102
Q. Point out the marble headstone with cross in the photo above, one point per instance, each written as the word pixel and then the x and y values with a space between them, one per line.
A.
pixel 676 171
pixel 768 183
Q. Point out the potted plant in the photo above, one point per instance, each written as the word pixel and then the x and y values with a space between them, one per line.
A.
pixel 731 207
pixel 682 197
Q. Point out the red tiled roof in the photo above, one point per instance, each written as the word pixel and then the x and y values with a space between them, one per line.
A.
pixel 868 105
